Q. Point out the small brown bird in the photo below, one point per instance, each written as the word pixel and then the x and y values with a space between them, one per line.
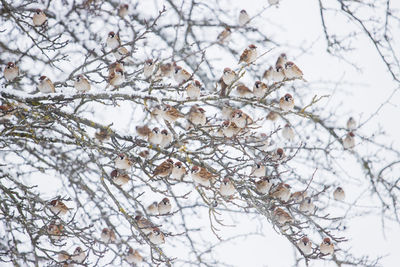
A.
pixel 278 155
pixel 197 115
pixel 164 206
pixel 286 103
pixel 269 74
pixel 327 246
pixel 148 68
pixel 258 170
pixel 58 207
pixel 228 76
pixel 143 131
pixel 54 230
pixel 116 65
pixel 79 255
pixel 193 89
pixel 81 83
pixel 249 55
pixel 263 185
pixel 292 71
pixel 108 236
pixel 152 209
pixel 166 138
pixel 63 256
pixel 113 40
pixel 281 61
pixel 144 154
pixel 123 162
pixel 282 217
pixel 226 188
pixel 241 119
pixel 243 18
pixel 116 78
pixel 39 18
pixel 171 114
pixel 298 196
pixel 307 206
pixel 11 71
pixel 349 141
pixel 123 10
pixel 202 176
pixel 178 171
pixel 144 225
pixel 288 133
pixel 123 54
pixel 134 257
pixel 155 137
pixel 351 124
pixel 243 91
pixel 260 89
pixel 229 129
pixel 119 178
pixel 339 194
pixel 281 192
pixel 102 135
pixel 164 169
pixel 156 236
pixel 304 245
pixel 272 116
pixel 181 76
pixel 279 73
pixel 224 36
pixel 46 85
pixel 165 70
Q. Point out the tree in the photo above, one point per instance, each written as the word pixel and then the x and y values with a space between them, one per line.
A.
pixel 167 95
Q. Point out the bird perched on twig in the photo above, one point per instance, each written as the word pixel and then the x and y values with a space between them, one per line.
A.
pixel 113 40
pixel 164 169
pixel 202 176
pixel 224 36
pixel 249 55
pixel 244 18
pixel 46 85
pixel 286 103
pixel 81 84
pixel 39 18
pixel 11 71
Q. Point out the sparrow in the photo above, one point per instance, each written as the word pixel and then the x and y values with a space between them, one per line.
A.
pixel 228 76
pixel 39 18
pixel 157 113
pixel 123 10
pixel 144 225
pixel 281 61
pixel 286 103
pixel 113 40
pixel 123 53
pixel 339 194
pixel 223 85
pixel 260 89
pixel 243 91
pixel 178 171
pixel 58 207
pixel 143 131
pixel 281 192
pixel 197 116
pixel 288 133
pixel 202 176
pixel 81 84
pixel 304 245
pixel 279 73
pixel 164 206
pixel 282 217
pixel 164 169
pixel 11 71
pixel 269 74
pixel 180 75
pixel 229 129
pixel 63 256
pixel 243 18
pixel 171 114
pixel 116 78
pixel 133 257
pixel 249 55
pixel 327 246
pixel 156 236
pixel 144 154
pixel 122 162
pixel 307 206
pixel 240 118
pixel 292 71
pixel 298 196
pixel 351 124
pixel 272 116
pixel 226 188
pixel 114 66
pixel 6 112
pixel 55 231
pixel 166 138
pixel 165 70
pixel 152 209
pixel 349 141
pixel 263 185
pixel 258 170
pixel 108 236
pixel 193 89
pixel 119 178
pixel 102 135
pixel 45 85
pixel 278 155
pixel 148 68
pixel 224 36
pixel 79 255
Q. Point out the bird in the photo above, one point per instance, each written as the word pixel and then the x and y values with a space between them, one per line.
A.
pixel 226 111
pixel 165 70
pixel 243 91
pixel 269 74
pixel 287 132
pixel 123 10
pixel 123 53
pixel 327 246
pixel 164 169
pixel 278 155
pixel 349 141
pixel 63 256
pixel 144 225
pixel 298 196
pixel 351 124
pixel 272 116
pixel 123 162
pixel 197 116
pixel 278 74
pixel 263 185
pixel 281 61
pixel 144 154
pixel 134 257
pixel 241 119
pixel 152 209
pixel 58 207
pixel 143 131
pixel 304 245
pixel 228 76
pixel 115 65
pixel 292 71
pixel 243 18
pixel 54 230
pixel 102 135
pixel 282 217
pixel 81 84
pixel 226 188
pixel 79 255
pixel 229 129
pixel 116 78
pixel 171 114
pixel 166 138
pixel 259 89
pixel 156 236
pixel 119 178
pixel 148 68
pixel 164 206
pixel 286 103
pixel 178 171
pixel 113 40
pixel 202 176
pixel 307 206
pixel 193 89
pixel 224 36
pixel 108 236
pixel 46 85
pixel 11 71
pixel 39 17
pixel 339 194
pixel 249 55
pixel 180 75
pixel 281 192
pixel 258 170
